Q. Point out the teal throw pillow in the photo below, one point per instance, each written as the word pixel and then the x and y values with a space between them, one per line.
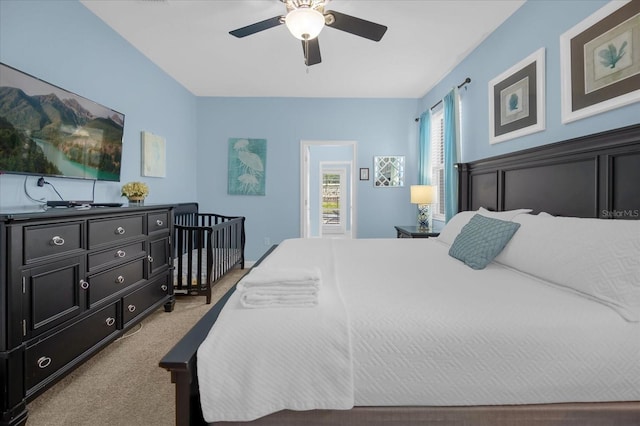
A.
pixel 481 240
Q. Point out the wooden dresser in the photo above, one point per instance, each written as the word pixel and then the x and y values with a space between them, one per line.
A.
pixel 71 282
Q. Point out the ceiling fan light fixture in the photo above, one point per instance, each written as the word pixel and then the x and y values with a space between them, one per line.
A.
pixel 304 23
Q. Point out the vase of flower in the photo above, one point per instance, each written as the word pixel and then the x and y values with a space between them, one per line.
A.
pixel 135 192
pixel 136 201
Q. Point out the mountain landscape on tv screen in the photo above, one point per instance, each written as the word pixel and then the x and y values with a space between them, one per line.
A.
pixel 43 134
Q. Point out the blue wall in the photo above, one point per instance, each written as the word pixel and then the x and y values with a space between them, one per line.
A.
pixel 63 43
pixel 379 126
pixel 536 24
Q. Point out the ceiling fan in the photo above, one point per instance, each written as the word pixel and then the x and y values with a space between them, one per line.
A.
pixel 306 18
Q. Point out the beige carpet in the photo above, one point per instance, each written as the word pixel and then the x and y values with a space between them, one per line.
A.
pixel 123 384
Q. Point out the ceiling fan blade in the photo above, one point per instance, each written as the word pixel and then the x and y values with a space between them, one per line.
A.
pixel 257 27
pixel 357 26
pixel 311 49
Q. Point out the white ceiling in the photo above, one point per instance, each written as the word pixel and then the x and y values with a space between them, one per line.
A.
pixel 190 41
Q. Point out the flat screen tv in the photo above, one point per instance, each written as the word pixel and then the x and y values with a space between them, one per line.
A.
pixel 48 131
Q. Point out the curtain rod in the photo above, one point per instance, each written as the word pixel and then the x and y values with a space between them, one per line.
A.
pixel 466 81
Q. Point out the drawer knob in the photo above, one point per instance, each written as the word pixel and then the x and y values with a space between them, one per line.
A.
pixel 84 285
pixel 44 361
pixel 120 279
pixel 159 222
pixel 57 240
pixel 121 253
pixel 120 230
pixel 150 259
pixel 131 308
pixel 110 321
pixel 164 287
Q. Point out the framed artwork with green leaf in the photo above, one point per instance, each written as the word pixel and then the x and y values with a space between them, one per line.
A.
pixel 516 99
pixel 600 61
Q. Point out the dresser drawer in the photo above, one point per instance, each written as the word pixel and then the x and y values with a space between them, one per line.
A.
pixel 106 283
pixel 115 255
pixel 157 222
pixel 41 241
pixel 142 299
pixel 49 355
pixel 107 231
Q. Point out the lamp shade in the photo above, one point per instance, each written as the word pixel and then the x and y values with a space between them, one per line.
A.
pixel 422 194
pixel 304 23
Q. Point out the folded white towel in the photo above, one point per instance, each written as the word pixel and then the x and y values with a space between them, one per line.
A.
pixel 269 277
pixel 277 297
pixel 290 287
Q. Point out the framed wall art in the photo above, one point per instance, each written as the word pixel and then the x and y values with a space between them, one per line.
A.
pixel 600 61
pixel 388 171
pixel 364 173
pixel 516 99
pixel 154 156
pixel 247 165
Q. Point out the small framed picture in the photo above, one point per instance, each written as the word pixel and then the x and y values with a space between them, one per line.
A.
pixel 516 99
pixel 364 173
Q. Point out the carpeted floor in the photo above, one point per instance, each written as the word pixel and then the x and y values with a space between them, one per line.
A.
pixel 123 384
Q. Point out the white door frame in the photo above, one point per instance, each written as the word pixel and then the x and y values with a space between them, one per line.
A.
pixel 305 146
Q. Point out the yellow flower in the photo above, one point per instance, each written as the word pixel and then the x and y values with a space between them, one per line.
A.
pixel 135 189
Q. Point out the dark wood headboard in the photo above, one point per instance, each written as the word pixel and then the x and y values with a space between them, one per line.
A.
pixel 590 176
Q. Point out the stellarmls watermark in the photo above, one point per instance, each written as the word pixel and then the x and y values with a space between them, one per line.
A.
pixel 619 214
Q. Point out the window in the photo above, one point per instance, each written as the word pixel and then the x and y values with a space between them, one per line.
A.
pixel 437 162
pixel 330 198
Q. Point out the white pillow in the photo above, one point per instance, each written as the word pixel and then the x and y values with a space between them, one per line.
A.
pixel 507 215
pixel 451 230
pixel 598 258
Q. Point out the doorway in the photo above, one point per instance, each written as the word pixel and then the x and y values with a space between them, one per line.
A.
pixel 334 159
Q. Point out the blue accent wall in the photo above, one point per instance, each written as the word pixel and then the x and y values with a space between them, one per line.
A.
pixel 65 44
pixel 534 25
pixel 379 126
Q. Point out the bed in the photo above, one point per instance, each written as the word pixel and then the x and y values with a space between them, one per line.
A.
pixel 206 247
pixel 562 372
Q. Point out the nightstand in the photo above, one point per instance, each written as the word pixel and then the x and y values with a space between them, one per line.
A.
pixel 414 232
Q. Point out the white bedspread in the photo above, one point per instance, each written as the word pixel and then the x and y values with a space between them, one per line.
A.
pixel 432 331
pixel 424 330
pixel 258 361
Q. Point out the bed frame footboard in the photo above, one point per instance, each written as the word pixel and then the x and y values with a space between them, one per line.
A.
pixel 181 362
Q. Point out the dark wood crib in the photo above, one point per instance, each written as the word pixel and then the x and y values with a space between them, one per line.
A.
pixel 206 247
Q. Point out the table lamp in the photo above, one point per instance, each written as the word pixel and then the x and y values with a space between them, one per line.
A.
pixel 422 195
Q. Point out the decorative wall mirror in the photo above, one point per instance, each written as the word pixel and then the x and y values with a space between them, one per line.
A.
pixel 388 170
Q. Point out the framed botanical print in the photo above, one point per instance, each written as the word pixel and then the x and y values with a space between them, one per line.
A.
pixel 600 61
pixel 516 99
